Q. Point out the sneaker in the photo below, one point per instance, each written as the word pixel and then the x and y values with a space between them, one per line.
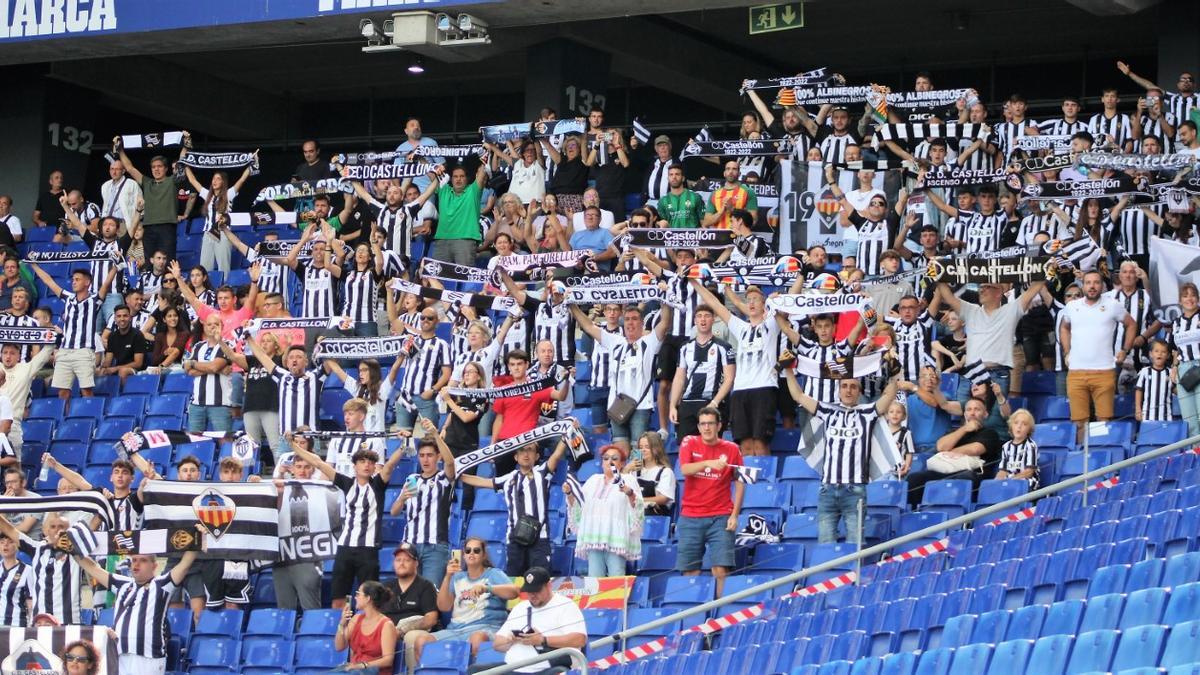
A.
pixel 664 434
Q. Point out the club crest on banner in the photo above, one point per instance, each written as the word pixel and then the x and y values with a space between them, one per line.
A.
pixel 214 510
pixel 32 657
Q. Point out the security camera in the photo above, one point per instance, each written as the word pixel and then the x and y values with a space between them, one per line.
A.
pixel 470 24
pixel 445 24
pixel 367 28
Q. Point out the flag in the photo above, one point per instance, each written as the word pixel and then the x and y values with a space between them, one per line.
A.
pixel 885 457
pixel 39 650
pixel 746 474
pixel 977 373
pixel 88 502
pixel 241 519
pixel 310 518
pixel 640 132
pixel 1171 265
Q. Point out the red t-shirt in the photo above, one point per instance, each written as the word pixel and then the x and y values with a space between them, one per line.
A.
pixel 520 412
pixel 706 494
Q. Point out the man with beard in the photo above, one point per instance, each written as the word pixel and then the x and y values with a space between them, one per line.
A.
pixel 679 207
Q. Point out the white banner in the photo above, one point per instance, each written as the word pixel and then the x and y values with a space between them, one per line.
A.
pixel 808 211
pixel 1171 265
pixel 804 305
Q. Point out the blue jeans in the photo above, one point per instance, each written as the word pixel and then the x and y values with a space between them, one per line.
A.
pixel 836 502
pixel 633 429
pixel 427 409
pixel 433 559
pixel 1001 374
pixel 697 534
pixel 363 329
pixel 209 418
pixel 110 304
pixel 237 389
pixel 605 564
pixel 598 402
pixel 1189 401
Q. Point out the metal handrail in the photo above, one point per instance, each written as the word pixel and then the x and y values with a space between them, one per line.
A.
pixel 578 661
pixel 888 545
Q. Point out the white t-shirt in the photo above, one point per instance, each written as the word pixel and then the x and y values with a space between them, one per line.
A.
pixel 1091 328
pixel 990 336
pixel 633 366
pixel 559 616
pixel 606 220
pixel 757 352
pixel 14 225
pixel 376 412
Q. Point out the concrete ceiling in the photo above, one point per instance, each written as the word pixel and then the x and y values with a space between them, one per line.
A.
pixel 700 52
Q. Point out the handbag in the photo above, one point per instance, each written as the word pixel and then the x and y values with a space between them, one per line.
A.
pixel 625 405
pixel 945 464
pixel 526 531
pixel 1190 379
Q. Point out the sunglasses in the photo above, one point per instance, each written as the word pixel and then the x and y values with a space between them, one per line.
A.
pixel 878 203
pixel 170 281
pixel 428 318
pixel 473 550
pixel 73 658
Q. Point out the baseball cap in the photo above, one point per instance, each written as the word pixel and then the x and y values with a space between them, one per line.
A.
pixel 406 548
pixel 536 579
pixel 662 138
pixel 49 617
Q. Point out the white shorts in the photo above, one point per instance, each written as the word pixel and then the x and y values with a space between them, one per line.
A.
pixel 132 664
pixel 74 364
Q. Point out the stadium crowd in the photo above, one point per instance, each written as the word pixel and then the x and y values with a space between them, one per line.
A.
pixel 679 396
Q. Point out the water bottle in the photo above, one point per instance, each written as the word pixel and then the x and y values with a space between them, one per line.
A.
pixel 45 473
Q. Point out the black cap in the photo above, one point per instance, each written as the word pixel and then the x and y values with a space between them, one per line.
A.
pixel 407 548
pixel 536 579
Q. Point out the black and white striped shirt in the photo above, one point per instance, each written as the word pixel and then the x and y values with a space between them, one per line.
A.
pixel 1135 229
pixel 1007 133
pixel 141 614
pixel 526 495
pixel 904 441
pixel 318 291
pixel 273 278
pixel 81 321
pixel 847 442
pixel 913 344
pixel 517 338
pixel 1016 457
pixel 16 587
pixel 56 580
pixel 424 367
pixel 1157 391
pixel 976 161
pixel 211 388
pixel 299 398
pixel 340 451
pixel 363 511
pixel 100 268
pixel 602 374
pixel 1138 305
pixel 757 352
pixel 833 148
pixel 428 512
pixel 360 294
pixel 1179 107
pixel 556 324
pixel 874 237
pixel 1061 127
pixel 1116 129
pixel 1154 128
pixel 633 367
pixel 822 389
pixel 128 510
pixel 397 225
pixel 656 179
pixel 980 232
pixel 136 321
pixel 704 368
pixel 207 296
pixel 683 320
pixel 485 357
pixel 1184 325
pixel 149 282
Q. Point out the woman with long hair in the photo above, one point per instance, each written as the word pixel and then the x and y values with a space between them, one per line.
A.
pixel 509 218
pixel 1187 356
pixel 171 339
pixel 926 419
pixel 461 428
pixel 475 593
pixel 81 658
pixel 405 315
pixel 216 248
pixel 549 230
pixel 199 283
pixel 607 518
pixel 370 386
pixel 650 467
pixel 370 635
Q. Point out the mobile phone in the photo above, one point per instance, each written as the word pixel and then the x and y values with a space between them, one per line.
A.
pixel 456 555
pixel 350 602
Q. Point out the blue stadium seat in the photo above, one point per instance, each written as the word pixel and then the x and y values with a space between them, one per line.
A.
pixel 655 529
pixel 168 404
pixel 317 651
pixel 70 454
pixel 952 497
pixel 1054 435
pixel 1038 382
pixel 996 491
pixel 79 430
pixel 1158 434
pixel 267 652
pixel 1011 657
pixel 113 428
pixel 1051 653
pixel 128 405
pixel 163 422
pixel 1057 408
pixel 787 557
pixel 214 651
pixel 1139 647
pixel 86 408
pixel 1110 579
pixel 177 383
pixel 331 405
pixel 318 622
pixel 1144 607
pixel 271 621
pixel 142 383
pixel 768 467
pixel 1181 645
pixel 488 528
pixel 225 622
pixel 1093 651
pixel 46 409
pixel 797 468
pixel 684 592
pixel 1184 604
pixel 1182 569
pixel 1075 466
pixel 444 657
pixel 800 527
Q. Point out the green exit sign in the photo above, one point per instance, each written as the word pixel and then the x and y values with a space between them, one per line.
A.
pixel 771 18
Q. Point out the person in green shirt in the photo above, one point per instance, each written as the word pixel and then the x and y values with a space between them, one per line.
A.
pixel 458 234
pixel 160 196
pixel 680 207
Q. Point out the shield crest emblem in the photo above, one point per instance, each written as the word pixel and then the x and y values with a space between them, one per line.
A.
pixel 215 511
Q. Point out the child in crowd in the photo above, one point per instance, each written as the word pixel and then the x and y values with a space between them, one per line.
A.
pixel 897 415
pixel 1155 386
pixel 1019 457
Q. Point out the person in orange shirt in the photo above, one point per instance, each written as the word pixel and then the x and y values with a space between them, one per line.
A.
pixel 732 195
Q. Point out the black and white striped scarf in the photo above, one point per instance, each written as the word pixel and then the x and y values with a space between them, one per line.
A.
pixel 476 300
pixel 385 346
pixel 351 158
pixel 620 295
pixel 977 373
pixel 565 428
pixel 221 160
pixel 89 502
pixel 507 391
pixel 817 76
pixel 151 140
pixel 386 171
pixel 919 132
pixel 325 186
pixel 28 335
pixel 640 132
pixel 448 150
pixel 44 257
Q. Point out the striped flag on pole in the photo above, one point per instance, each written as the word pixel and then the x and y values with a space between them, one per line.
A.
pixel 640 132
pixel 241 519
pixel 39 650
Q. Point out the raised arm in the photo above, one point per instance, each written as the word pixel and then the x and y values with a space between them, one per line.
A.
pixel 948 297
pixel 712 301
pixel 93 570
pixel 196 185
pixel 237 186
pixel 318 463
pixel 263 357
pixel 664 321
pixel 788 329
pixel 46 279
pixel 129 167
pixel 807 402
pixel 1141 81
pixel 443 449
pixel 72 477
pixel 585 323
